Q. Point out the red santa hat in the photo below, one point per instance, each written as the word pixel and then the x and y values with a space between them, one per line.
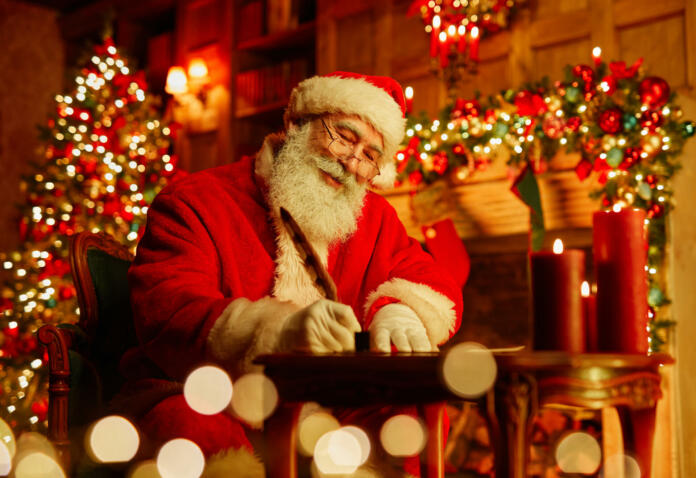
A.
pixel 379 100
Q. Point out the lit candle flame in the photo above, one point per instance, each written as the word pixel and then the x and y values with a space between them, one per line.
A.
pixel 451 30
pixel 461 30
pixel 557 246
pixel 617 207
pixel 585 289
pixel 474 32
pixel 408 92
pixel 436 21
pixel 596 52
pixel 443 37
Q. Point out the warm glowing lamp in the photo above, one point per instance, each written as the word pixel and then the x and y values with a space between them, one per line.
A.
pixel 197 69
pixel 176 81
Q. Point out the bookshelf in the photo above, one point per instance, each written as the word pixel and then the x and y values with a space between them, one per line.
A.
pixel 269 57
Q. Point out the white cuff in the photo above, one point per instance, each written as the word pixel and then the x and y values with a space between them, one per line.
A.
pixel 246 329
pixel 435 310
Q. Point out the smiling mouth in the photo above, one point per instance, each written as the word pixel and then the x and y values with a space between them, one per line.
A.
pixel 330 180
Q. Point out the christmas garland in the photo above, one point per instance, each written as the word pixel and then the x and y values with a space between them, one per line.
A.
pixel 626 126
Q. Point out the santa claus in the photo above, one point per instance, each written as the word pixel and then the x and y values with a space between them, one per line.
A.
pixel 217 277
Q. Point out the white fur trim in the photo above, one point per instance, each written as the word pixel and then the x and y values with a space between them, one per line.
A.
pixel 333 94
pixel 386 177
pixel 435 310
pixel 246 329
pixel 237 463
pixel 263 166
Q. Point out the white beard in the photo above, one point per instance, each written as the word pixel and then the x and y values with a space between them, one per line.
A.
pixel 325 214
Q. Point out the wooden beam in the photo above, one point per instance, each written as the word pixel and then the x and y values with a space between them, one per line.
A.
pixel 560 28
pixel 630 12
pixel 689 22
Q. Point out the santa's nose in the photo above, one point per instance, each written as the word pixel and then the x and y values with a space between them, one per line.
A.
pixel 351 164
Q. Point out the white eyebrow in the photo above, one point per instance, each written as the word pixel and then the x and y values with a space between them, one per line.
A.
pixel 347 125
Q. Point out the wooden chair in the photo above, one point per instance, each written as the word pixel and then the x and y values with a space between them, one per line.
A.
pixel 84 358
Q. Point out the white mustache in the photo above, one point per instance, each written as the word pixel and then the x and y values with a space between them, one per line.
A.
pixel 334 169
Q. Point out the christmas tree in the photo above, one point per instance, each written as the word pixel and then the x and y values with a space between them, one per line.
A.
pixel 106 156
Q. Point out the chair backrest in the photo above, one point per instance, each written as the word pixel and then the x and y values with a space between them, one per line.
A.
pixel 84 358
pixel 100 273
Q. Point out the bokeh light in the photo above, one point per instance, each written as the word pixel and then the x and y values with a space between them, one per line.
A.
pixel 33 442
pixel 112 439
pixel 5 460
pixel 337 452
pixel 578 452
pixel 312 428
pixel 180 458
pixel 208 390
pixel 7 437
pixel 469 369
pixel 402 435
pixel 620 465
pixel 38 465
pixel 363 441
pixel 255 397
pixel 145 469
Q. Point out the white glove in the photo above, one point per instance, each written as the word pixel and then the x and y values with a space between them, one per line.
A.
pixel 324 326
pixel 398 324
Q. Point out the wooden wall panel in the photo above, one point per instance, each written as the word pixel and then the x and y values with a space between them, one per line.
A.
pixel 491 78
pixel 355 49
pixel 665 56
pixel 550 8
pixel 551 59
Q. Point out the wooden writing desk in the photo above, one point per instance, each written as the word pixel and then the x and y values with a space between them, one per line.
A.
pixel 525 382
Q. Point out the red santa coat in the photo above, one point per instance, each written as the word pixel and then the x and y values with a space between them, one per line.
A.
pixel 215 277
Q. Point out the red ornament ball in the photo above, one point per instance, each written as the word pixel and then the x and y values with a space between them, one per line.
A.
pixel 651 179
pixel 651 119
pixel 440 162
pixel 529 104
pixel 656 211
pixel 573 123
pixel 611 120
pixel 631 157
pixel 584 72
pixel 466 108
pixel 415 178
pixel 553 126
pixel 654 91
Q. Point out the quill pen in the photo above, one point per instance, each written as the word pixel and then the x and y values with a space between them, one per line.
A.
pixel 312 261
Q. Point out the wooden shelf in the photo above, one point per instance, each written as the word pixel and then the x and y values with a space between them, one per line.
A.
pixel 302 35
pixel 256 110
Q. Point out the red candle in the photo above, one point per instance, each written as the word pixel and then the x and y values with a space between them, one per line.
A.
pixel 408 94
pixel 474 46
pixel 435 37
pixel 597 56
pixel 461 44
pixel 620 253
pixel 589 310
pixel 558 316
pixel 444 50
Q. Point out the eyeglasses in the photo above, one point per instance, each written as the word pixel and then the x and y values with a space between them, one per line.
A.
pixel 367 166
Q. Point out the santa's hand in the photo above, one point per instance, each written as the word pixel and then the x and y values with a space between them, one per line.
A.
pixel 398 324
pixel 324 326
